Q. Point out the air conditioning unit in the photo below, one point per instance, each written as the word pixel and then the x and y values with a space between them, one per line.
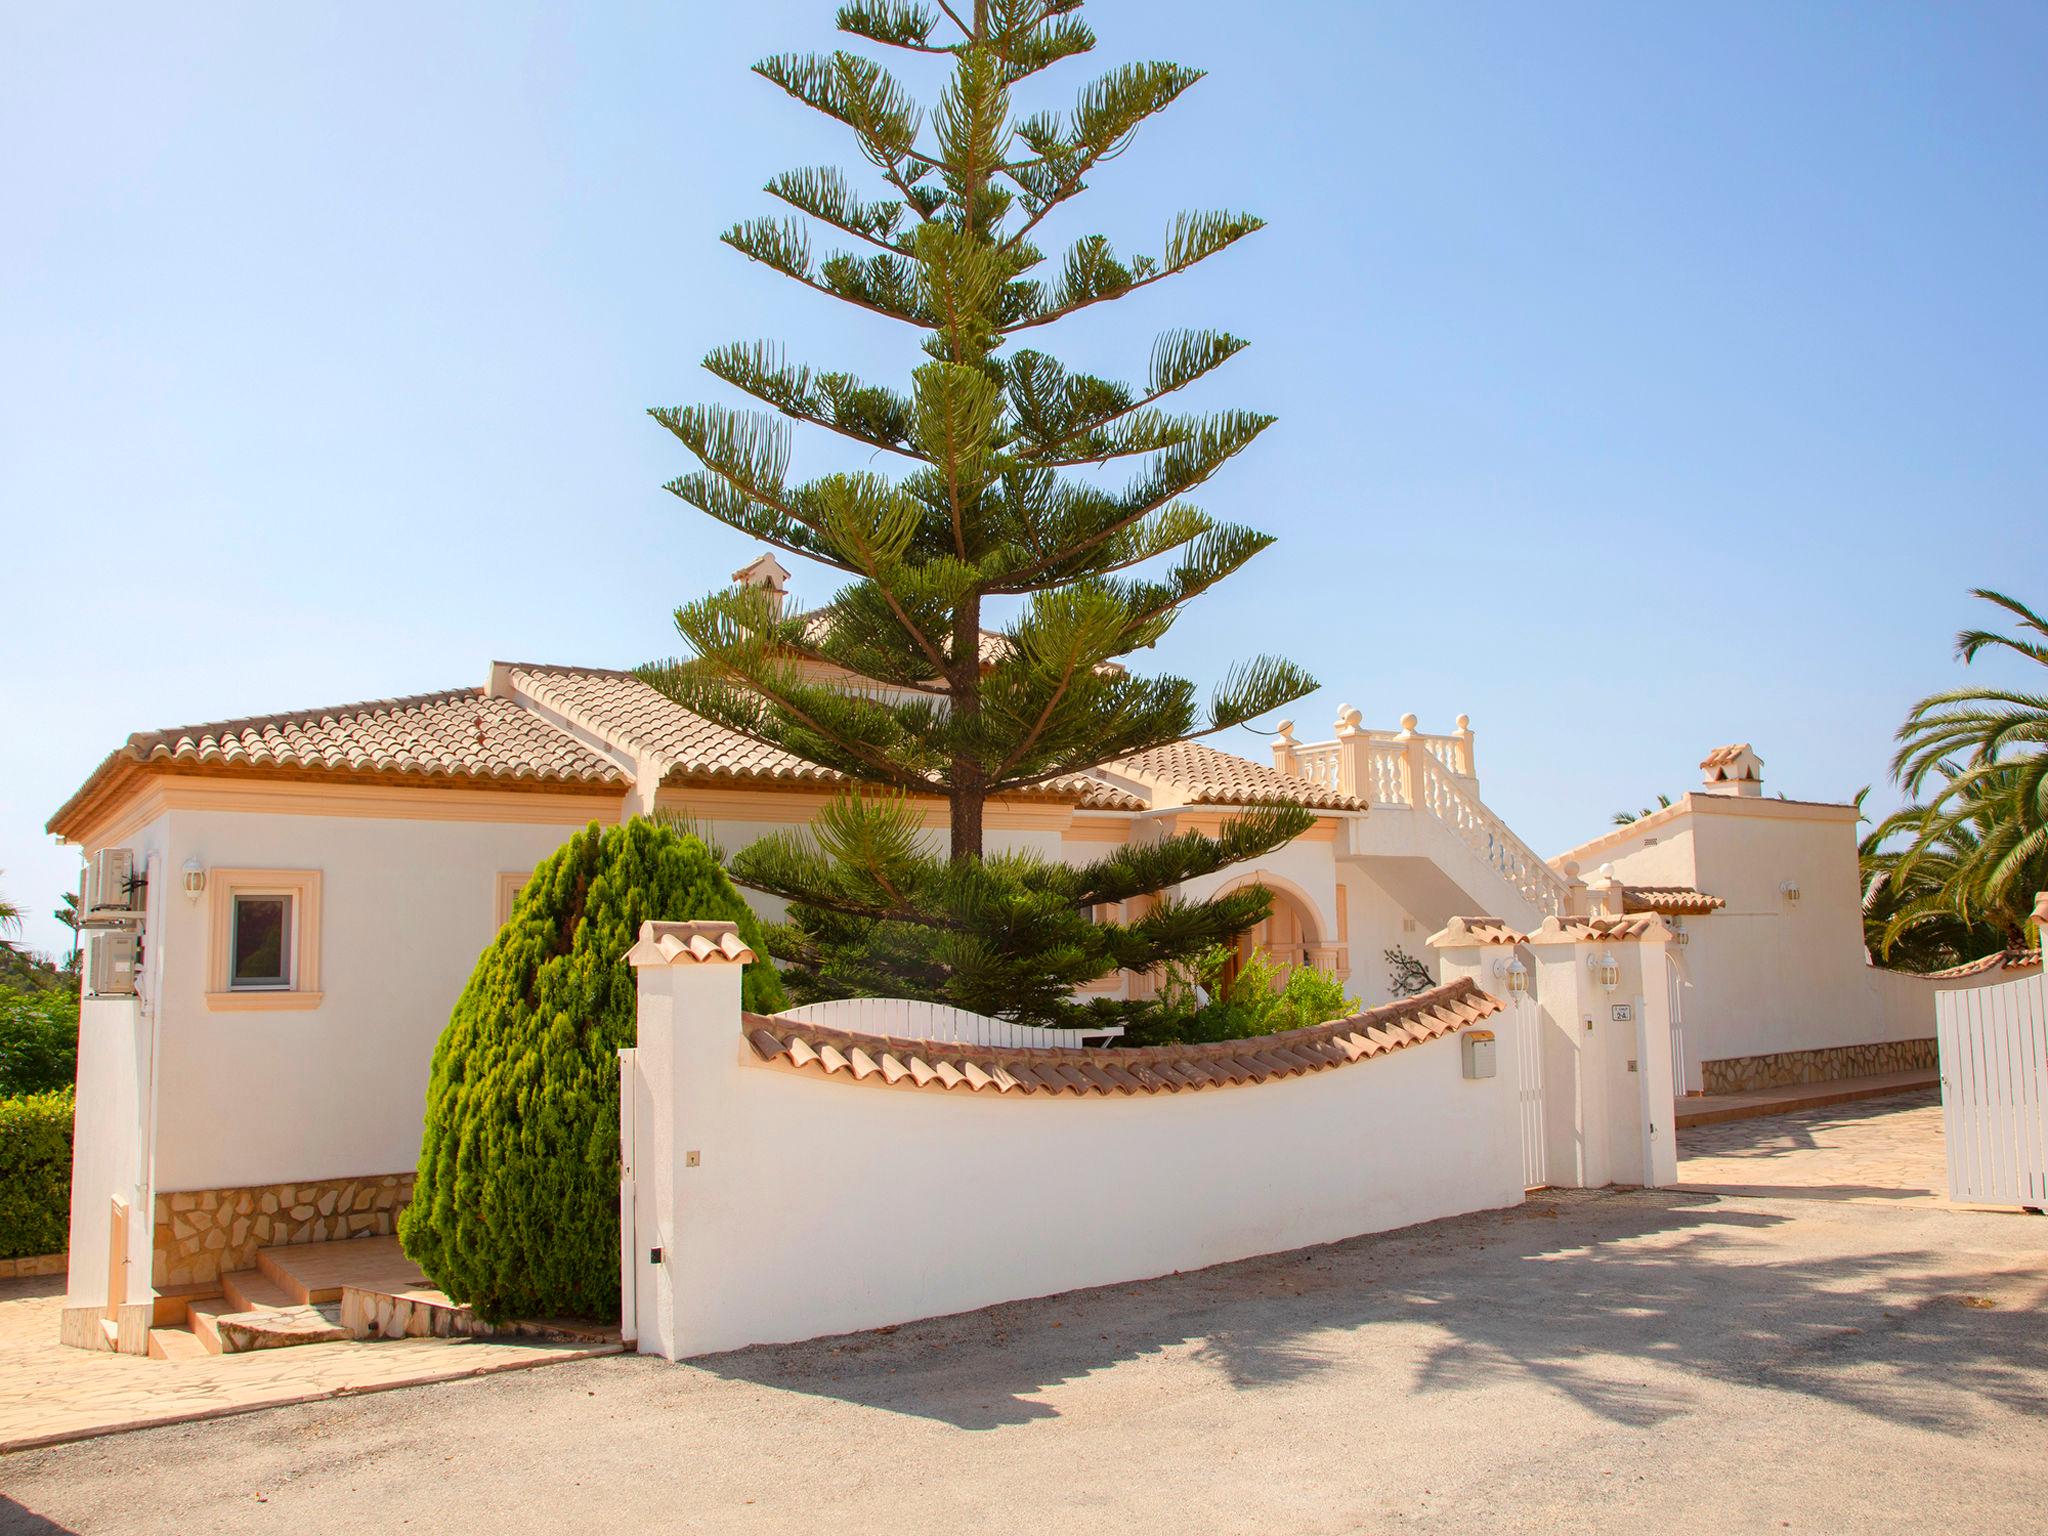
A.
pixel 112 893
pixel 116 958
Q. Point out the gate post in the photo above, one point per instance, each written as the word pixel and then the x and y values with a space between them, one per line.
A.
pixel 681 1081
pixel 1617 1023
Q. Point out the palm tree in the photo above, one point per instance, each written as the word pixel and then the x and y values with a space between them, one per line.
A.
pixel 10 921
pixel 1979 843
pixel 1923 873
pixel 1623 818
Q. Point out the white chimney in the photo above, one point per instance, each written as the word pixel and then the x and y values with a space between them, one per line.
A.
pixel 1734 770
pixel 767 573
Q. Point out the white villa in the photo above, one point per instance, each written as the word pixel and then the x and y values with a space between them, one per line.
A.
pixel 313 888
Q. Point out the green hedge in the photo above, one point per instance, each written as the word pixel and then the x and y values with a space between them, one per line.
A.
pixel 35 1173
pixel 516 1208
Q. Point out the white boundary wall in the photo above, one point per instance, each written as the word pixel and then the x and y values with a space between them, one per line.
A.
pixel 821 1206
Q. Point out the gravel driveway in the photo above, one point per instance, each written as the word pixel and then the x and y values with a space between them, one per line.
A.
pixel 1683 1361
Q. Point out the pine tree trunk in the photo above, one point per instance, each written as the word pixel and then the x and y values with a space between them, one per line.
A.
pixel 967 796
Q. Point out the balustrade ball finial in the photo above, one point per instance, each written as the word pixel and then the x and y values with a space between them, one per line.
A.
pixel 1465 725
pixel 1571 869
pixel 1409 722
pixel 1286 731
pixel 1348 718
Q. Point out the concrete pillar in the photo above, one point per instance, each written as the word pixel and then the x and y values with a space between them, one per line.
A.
pixel 680 1075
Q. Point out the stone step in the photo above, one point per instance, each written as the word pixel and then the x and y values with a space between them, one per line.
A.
pixel 267 1263
pixel 171 1301
pixel 316 1272
pixel 248 1289
pixel 175 1344
pixel 200 1317
pixel 279 1328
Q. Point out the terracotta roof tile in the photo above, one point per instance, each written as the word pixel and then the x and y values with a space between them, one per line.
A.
pixel 620 708
pixel 1682 900
pixel 1591 930
pixel 1475 930
pixel 2000 960
pixel 943 1066
pixel 1206 776
pixel 461 734
pixel 689 943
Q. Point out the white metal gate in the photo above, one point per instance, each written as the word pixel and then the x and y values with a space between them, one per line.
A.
pixel 1528 1024
pixel 1675 984
pixel 1994 1090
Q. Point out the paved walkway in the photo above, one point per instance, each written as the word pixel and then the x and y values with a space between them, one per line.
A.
pixel 50 1392
pixel 1708 1108
pixel 1875 1149
pixel 1661 1360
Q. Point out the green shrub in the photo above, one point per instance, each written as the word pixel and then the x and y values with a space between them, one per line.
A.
pixel 38 1039
pixel 516 1208
pixel 35 1173
pixel 1258 1001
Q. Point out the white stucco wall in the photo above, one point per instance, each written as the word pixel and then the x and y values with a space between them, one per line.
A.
pixel 110 1126
pixel 255 1097
pixel 821 1206
pixel 1767 973
pixel 1378 923
pixel 107 1144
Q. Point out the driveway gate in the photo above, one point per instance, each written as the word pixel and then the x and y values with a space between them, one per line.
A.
pixel 1994 1090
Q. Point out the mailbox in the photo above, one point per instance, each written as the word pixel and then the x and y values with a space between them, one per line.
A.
pixel 1478 1046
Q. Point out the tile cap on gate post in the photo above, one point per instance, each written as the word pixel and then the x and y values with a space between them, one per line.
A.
pixel 692 943
pixel 1648 927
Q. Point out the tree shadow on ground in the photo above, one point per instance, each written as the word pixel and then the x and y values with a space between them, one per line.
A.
pixel 1616 1302
pixel 17 1520
pixel 1794 1131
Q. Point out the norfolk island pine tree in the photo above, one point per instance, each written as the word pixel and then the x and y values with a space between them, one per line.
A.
pixel 991 434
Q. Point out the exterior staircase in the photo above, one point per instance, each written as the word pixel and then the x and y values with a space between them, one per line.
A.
pixel 320 1293
pixel 1429 839
pixel 293 1296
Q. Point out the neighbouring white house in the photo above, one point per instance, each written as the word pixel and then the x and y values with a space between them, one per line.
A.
pixel 310 890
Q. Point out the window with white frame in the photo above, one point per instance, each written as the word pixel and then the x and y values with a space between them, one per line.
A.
pixel 260 952
pixel 266 938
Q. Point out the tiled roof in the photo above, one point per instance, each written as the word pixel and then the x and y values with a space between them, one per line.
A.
pixel 2001 960
pixel 1591 930
pixel 1669 899
pixel 1475 930
pixel 1208 777
pixel 1099 796
pixel 622 709
pixel 945 1065
pixel 1721 757
pixel 462 734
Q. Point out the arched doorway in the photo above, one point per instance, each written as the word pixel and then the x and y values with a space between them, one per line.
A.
pixel 1289 935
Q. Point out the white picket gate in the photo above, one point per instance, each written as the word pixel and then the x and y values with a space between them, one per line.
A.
pixel 1994 1090
pixel 1528 1025
pixel 905 1019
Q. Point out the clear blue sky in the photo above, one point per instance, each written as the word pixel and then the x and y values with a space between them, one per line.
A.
pixel 1648 376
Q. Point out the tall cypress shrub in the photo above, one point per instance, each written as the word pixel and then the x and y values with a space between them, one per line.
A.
pixel 515 1210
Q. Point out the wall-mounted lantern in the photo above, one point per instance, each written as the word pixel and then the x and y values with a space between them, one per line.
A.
pixel 195 878
pixel 1790 891
pixel 1517 975
pixel 1606 970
